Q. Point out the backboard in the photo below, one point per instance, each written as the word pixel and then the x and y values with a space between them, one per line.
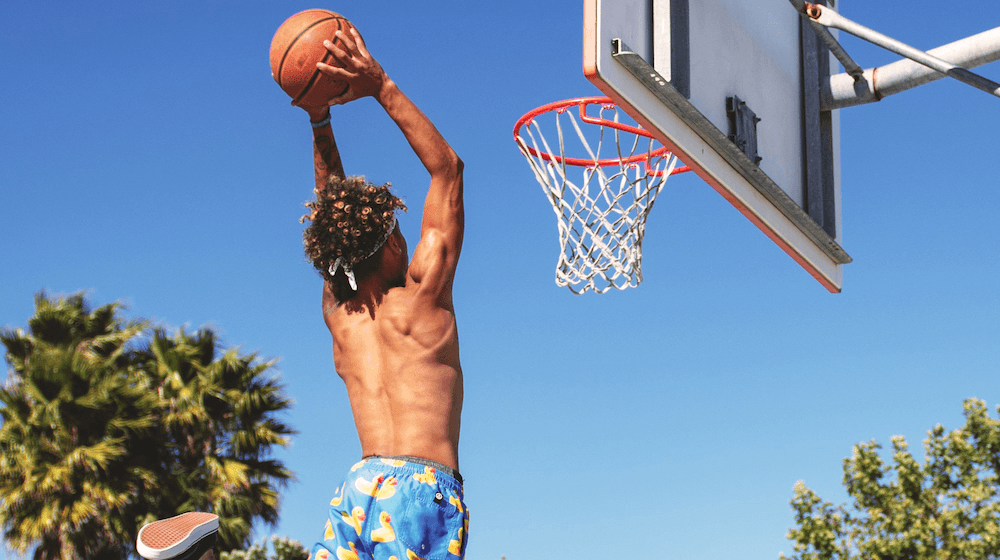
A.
pixel 732 88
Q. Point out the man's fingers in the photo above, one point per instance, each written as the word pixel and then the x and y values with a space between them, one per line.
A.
pixel 335 72
pixel 341 46
pixel 337 51
pixel 349 44
pixel 359 42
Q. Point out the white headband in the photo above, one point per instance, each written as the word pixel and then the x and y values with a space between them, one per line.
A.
pixel 348 270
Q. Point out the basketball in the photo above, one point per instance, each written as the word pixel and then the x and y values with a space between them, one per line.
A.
pixel 297 47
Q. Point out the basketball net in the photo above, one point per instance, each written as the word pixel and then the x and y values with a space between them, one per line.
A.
pixel 601 216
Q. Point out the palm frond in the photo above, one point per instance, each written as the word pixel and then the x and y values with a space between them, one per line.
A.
pixel 108 423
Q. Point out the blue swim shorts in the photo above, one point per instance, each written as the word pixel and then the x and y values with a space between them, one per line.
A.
pixel 396 508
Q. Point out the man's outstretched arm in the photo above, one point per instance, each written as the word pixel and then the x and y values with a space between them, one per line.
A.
pixel 326 157
pixel 444 211
pixel 436 256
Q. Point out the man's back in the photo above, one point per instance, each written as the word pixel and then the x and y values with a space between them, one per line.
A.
pixel 401 367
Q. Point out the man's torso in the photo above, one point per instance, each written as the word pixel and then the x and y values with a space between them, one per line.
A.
pixel 402 372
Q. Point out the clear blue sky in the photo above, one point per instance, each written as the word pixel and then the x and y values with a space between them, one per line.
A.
pixel 147 156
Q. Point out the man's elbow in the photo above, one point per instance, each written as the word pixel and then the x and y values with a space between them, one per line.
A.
pixel 449 170
pixel 455 167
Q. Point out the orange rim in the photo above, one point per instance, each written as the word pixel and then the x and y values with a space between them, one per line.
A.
pixel 582 103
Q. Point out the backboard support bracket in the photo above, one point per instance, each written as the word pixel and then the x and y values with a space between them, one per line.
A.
pixel 829 18
pixel 669 96
pixel 743 126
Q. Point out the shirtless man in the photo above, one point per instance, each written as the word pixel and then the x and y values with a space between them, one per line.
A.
pixel 395 342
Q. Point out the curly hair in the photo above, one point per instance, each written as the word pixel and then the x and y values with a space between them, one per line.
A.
pixel 350 217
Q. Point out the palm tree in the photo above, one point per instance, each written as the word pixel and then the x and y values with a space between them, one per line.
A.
pixel 220 422
pixel 73 406
pixel 106 428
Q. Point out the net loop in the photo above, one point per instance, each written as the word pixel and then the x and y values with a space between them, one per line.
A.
pixel 601 216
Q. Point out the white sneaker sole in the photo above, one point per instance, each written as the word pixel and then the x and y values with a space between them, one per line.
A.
pixel 172 537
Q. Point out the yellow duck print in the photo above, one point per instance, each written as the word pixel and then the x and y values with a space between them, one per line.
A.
pixel 358 465
pixel 344 554
pixel 455 547
pixel 410 555
pixel 323 554
pixel 385 533
pixel 394 462
pixel 387 490
pixel 428 476
pixel 355 519
pixel 453 500
pixel 328 534
pixel 339 497
pixel 380 488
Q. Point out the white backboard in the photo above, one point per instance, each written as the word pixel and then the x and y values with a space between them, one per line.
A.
pixel 732 88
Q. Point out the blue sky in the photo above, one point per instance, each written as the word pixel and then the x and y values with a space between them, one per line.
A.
pixel 147 156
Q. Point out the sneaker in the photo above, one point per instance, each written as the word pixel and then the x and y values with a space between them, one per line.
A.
pixel 185 537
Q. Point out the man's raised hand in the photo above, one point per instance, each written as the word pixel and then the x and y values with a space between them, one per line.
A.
pixel 359 67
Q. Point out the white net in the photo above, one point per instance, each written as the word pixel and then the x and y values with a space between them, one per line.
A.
pixel 601 215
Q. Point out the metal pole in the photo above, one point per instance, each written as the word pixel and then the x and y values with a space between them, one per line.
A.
pixel 843 90
pixel 824 34
pixel 830 18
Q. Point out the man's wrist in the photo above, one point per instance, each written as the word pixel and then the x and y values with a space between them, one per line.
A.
pixel 386 91
pixel 320 120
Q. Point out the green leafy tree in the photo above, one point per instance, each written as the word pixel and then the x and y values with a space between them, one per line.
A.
pixel 284 549
pixel 219 421
pixel 73 408
pixel 946 508
pixel 107 425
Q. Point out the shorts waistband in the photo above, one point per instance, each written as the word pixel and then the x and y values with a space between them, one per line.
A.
pixel 421 461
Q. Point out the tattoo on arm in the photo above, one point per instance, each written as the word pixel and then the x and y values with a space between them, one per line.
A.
pixel 326 156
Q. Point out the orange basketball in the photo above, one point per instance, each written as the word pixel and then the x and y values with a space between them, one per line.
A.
pixel 297 47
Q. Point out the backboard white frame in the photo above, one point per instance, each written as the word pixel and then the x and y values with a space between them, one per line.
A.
pixel 617 46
